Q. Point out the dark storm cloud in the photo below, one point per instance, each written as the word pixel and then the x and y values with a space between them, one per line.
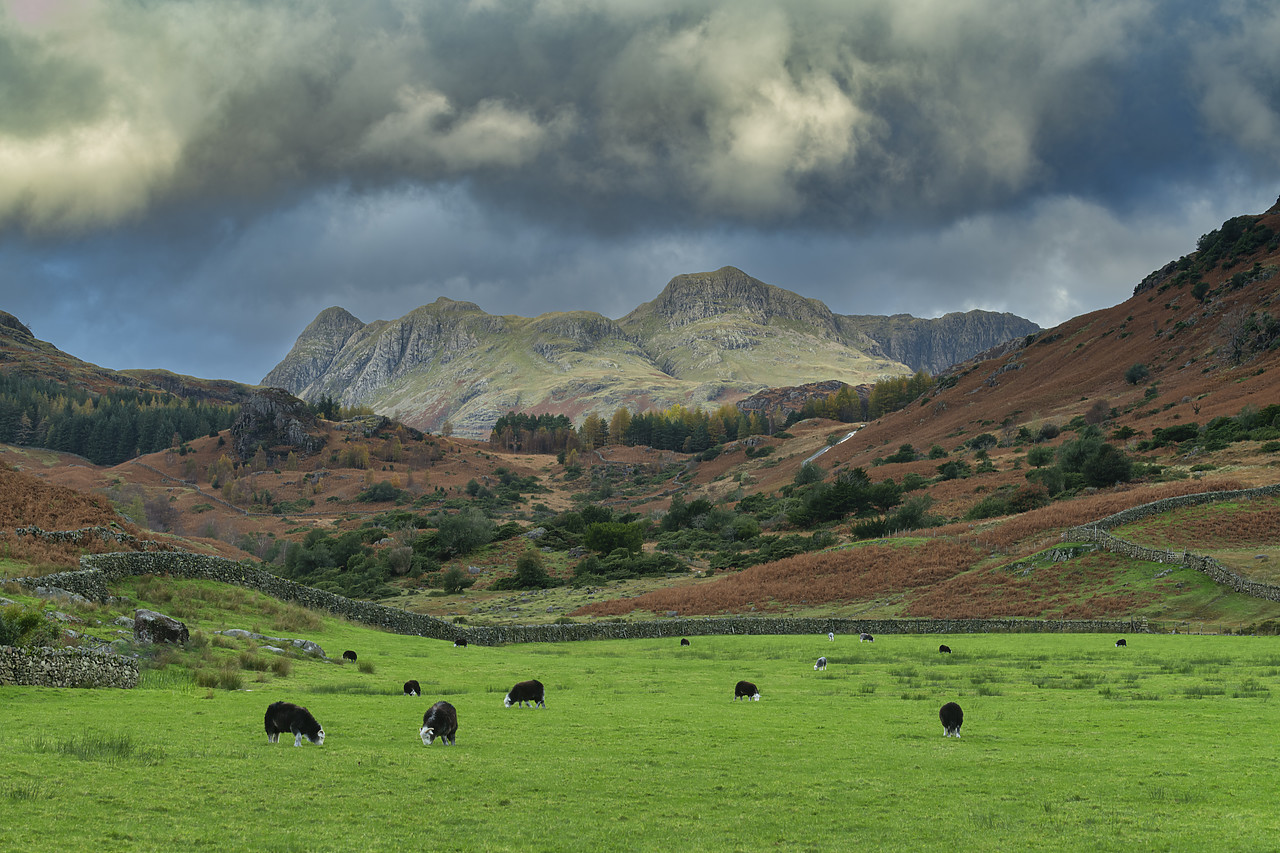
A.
pixel 210 174
pixel 762 112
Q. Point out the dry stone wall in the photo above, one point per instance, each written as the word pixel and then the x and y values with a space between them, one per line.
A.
pixel 101 569
pixel 66 668
pixel 1097 534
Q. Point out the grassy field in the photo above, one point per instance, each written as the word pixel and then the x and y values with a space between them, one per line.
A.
pixel 1068 743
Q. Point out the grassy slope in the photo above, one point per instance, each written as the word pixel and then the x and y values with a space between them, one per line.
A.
pixel 1067 744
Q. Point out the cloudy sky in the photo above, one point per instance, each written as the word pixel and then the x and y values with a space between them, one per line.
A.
pixel 187 183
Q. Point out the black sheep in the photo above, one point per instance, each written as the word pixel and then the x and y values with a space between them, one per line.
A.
pixel 952 719
pixel 440 721
pixel 287 717
pixel 525 691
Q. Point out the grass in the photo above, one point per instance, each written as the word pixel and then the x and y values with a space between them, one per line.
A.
pixel 1068 743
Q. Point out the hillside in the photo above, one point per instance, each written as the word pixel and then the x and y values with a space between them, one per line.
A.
pixel 24 356
pixel 708 338
pixel 1193 351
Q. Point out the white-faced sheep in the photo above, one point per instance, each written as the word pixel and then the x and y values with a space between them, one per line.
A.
pixel 526 691
pixel 440 721
pixel 287 717
pixel 821 664
pixel 746 690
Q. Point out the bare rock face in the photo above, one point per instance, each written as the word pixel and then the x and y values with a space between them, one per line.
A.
pixel 276 420
pixel 152 627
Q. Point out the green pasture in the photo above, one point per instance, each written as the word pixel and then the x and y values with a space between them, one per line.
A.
pixel 1069 743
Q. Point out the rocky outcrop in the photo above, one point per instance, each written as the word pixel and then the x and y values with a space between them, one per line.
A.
pixel 151 627
pixel 277 421
pixel 934 345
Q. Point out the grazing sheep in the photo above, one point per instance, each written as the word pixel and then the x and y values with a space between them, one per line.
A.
pixel 746 690
pixel 831 636
pixel 1121 642
pixel 440 721
pixel 952 718
pixel 864 637
pixel 526 691
pixel 946 650
pixel 461 642
pixel 821 664
pixel 288 717
pixel 683 641
pixel 349 655
pixel 411 688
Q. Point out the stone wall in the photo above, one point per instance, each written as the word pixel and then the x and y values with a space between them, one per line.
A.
pixel 66 668
pixel 1136 513
pixel 84 534
pixel 101 569
pixel 1096 533
pixel 757 625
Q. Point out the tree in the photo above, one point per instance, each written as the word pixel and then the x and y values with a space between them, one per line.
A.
pixel 530 572
pixel 462 533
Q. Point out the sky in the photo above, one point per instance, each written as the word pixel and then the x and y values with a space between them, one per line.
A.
pixel 186 184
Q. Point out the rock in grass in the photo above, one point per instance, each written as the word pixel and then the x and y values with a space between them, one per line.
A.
pixel 152 627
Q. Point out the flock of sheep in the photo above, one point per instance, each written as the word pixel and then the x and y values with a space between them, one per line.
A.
pixel 441 719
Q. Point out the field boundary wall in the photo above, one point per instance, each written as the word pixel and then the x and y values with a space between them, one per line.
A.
pixel 1097 533
pixel 100 569
pixel 48 667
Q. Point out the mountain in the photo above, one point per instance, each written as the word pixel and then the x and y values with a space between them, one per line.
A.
pixel 708 338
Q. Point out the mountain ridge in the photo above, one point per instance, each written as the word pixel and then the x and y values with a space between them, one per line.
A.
pixel 707 338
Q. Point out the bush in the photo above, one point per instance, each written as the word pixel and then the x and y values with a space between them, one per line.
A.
pixel 456 579
pixel 607 537
pixel 810 472
pixel 905 453
pixel 1040 456
pixel 983 441
pixel 1136 373
pixel 381 492
pixel 463 533
pixel 26 626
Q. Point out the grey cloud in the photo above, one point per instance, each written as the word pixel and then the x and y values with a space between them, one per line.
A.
pixel 757 111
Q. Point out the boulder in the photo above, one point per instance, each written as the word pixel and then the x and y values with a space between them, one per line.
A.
pixel 152 627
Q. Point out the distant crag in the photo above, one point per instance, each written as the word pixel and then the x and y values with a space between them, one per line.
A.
pixel 278 422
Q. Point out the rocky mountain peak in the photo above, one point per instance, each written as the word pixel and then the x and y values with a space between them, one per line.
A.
pixel 693 297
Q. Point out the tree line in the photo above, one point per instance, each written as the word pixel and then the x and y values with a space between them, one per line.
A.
pixel 107 428
pixel 695 430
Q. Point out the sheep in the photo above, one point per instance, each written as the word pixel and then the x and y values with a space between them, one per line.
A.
pixel 526 691
pixel 288 717
pixel 952 718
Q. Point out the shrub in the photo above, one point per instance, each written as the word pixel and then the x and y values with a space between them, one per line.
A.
pixel 455 579
pixel 26 626
pixel 937 451
pixel 1136 373
pixel 381 492
pixel 905 453
pixel 530 574
pixel 810 472
pixel 1040 456
pixel 982 441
